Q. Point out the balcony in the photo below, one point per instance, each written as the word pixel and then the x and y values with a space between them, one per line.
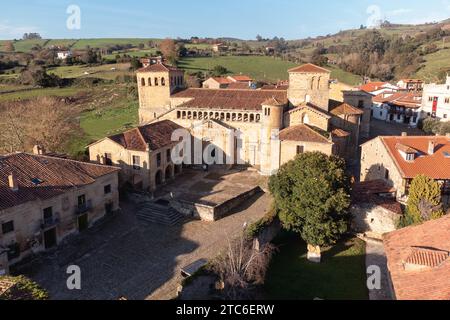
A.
pixel 49 223
pixel 83 208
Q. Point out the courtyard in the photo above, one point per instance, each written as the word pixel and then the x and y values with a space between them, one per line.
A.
pixel 126 257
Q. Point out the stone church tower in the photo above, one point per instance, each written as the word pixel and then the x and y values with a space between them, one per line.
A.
pixel 156 83
pixel 309 83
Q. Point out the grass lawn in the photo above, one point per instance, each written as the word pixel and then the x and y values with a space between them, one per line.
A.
pixel 53 92
pixel 132 53
pixel 435 63
pixel 340 276
pixel 105 42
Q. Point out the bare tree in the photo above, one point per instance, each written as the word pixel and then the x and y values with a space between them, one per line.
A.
pixel 46 121
pixel 168 48
pixel 242 267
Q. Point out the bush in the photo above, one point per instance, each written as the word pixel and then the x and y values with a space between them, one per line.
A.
pixel 24 289
pixel 430 125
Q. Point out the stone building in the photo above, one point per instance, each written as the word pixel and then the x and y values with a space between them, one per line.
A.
pixel 143 154
pixel 398 160
pixel 274 125
pixel 44 199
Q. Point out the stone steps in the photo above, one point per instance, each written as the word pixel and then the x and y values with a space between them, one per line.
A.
pixel 164 215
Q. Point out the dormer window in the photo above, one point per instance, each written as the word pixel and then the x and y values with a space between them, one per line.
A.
pixel 408 153
pixel 410 156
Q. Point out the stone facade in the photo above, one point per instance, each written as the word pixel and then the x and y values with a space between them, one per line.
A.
pixel 373 220
pixel 312 87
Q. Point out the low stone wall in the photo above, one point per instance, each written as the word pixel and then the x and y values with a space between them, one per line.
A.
pixel 212 213
pixel 373 220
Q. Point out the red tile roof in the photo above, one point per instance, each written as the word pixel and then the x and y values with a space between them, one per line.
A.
pixel 155 136
pixel 159 67
pixel 435 166
pixel 240 78
pixel 221 80
pixel 302 133
pixel 309 68
pixel 378 193
pixel 373 86
pixel 346 109
pixel 229 99
pixel 340 133
pixel 425 246
pixel 56 175
pixel 238 86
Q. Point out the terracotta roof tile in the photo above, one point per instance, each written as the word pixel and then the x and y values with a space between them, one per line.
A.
pixel 229 99
pixel 373 86
pixel 240 78
pixel 309 68
pixel 56 176
pixel 158 67
pixel 346 109
pixel 302 133
pixel 435 166
pixel 425 244
pixel 155 135
pixel 221 80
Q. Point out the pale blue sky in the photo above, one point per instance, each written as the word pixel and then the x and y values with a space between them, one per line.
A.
pixel 292 19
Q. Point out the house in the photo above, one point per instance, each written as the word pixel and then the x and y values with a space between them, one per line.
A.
pixel 231 82
pixel 418 259
pixel 240 78
pixel 399 107
pixel 63 55
pixel 216 83
pixel 411 84
pixel 143 154
pixel 219 47
pixel 44 199
pixel 374 208
pixel 375 88
pixel 398 160
pixel 436 101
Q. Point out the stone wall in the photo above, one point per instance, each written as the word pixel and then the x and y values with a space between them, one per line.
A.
pixel 289 149
pixel 373 220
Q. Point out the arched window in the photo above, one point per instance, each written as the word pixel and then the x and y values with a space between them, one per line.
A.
pixel 156 82
pixel 163 81
pixel 312 82
pixel 319 82
pixel 143 82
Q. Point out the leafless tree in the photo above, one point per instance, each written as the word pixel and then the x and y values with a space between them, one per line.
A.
pixel 242 267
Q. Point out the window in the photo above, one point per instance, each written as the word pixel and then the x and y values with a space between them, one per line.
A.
pixel 361 104
pixel 386 174
pixel 168 155
pixel 82 201
pixel 410 157
pixel 48 213
pixel 300 149
pixel 156 81
pixel 136 162
pixel 149 82
pixel 430 99
pixel 8 227
pixel 143 82
pixel 445 116
pixel 447 100
pixel 163 81
pixel 107 189
pixel 158 160
pixel 108 159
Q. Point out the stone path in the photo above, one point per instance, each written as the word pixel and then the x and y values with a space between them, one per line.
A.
pixel 375 256
pixel 127 258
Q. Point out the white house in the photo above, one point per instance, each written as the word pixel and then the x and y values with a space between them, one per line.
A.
pixel 398 107
pixel 377 88
pixel 63 55
pixel 436 101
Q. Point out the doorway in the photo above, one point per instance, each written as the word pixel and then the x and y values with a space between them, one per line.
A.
pixel 83 223
pixel 50 240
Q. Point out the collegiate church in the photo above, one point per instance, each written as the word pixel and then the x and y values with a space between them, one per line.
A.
pixel 274 124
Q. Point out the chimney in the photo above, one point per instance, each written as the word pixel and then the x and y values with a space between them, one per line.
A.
pixel 13 184
pixel 404 134
pixel 431 148
pixel 38 150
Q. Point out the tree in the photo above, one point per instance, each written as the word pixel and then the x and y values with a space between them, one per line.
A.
pixel 312 197
pixel 135 63
pixel 169 50
pixel 37 76
pixel 31 35
pixel 319 60
pixel 219 70
pixel 9 46
pixel 259 38
pixel 424 201
pixel 90 57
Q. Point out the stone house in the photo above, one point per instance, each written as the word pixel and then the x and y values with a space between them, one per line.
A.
pixel 398 160
pixel 418 259
pixel 143 154
pixel 216 83
pixel 44 199
pixel 374 209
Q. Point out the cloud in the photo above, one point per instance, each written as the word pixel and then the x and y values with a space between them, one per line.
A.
pixel 9 31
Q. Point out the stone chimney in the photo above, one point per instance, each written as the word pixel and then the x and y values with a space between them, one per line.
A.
pixel 13 184
pixel 431 147
pixel 38 150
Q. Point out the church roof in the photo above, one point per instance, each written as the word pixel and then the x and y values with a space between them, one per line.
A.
pixel 309 68
pixel 302 133
pixel 158 67
pixel 346 109
pixel 273 102
pixel 229 99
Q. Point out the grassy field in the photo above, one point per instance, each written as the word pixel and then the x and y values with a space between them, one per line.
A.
pixel 26 45
pixel 435 63
pixel 103 71
pixel 51 92
pixel 132 53
pixel 259 67
pixel 340 276
pixel 102 43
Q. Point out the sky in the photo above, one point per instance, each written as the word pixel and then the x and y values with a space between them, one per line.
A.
pixel 244 19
